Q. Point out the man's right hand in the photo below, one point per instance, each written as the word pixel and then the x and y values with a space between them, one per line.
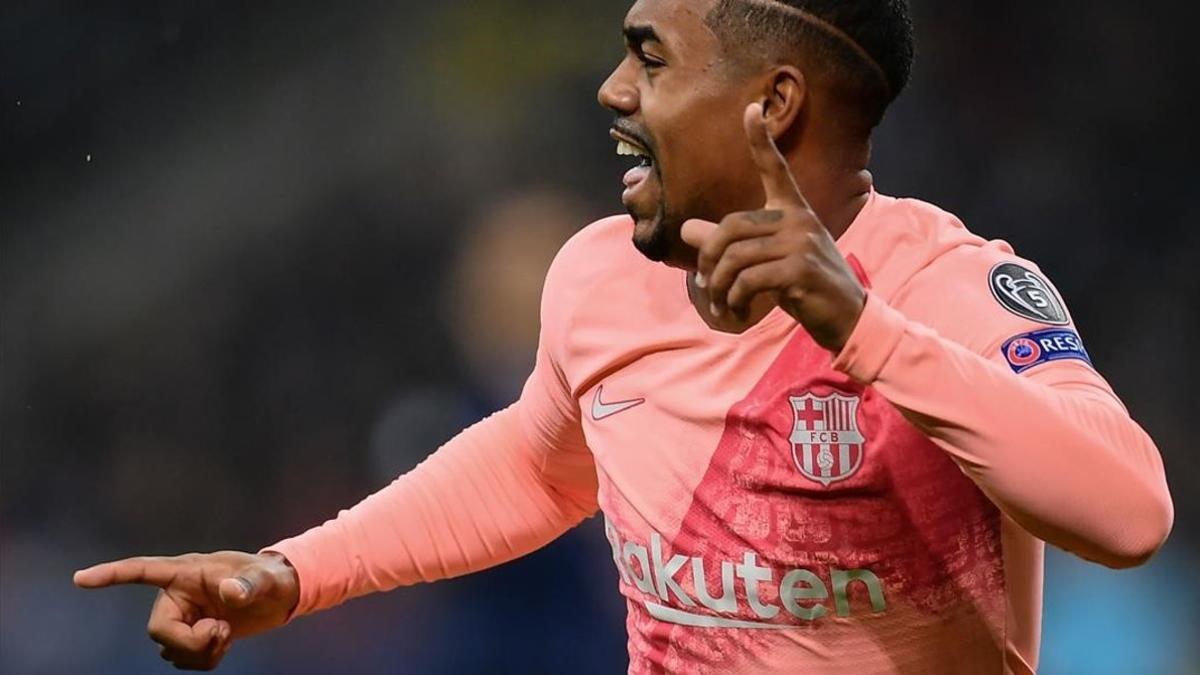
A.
pixel 206 599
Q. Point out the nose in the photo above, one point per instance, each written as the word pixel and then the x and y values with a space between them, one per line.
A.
pixel 618 93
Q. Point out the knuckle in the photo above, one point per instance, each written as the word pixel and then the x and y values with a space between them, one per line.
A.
pixel 757 277
pixel 757 246
pixel 744 281
pixel 723 276
pixel 736 285
pixel 736 254
pixel 746 285
pixel 748 250
pixel 737 293
pixel 795 293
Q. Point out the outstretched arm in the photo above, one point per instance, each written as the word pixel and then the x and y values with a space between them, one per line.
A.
pixel 488 496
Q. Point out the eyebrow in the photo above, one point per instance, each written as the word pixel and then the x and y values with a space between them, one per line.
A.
pixel 637 34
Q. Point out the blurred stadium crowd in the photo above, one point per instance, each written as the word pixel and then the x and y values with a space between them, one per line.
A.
pixel 257 259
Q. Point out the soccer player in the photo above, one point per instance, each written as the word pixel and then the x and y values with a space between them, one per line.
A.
pixel 830 434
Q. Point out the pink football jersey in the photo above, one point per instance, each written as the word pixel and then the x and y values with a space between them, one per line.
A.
pixel 774 508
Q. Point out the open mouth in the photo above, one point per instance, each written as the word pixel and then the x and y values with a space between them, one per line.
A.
pixel 635 177
pixel 630 149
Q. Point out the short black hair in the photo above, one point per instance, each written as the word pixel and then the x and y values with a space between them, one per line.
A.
pixel 866 46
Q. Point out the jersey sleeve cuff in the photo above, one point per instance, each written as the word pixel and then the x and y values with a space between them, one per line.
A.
pixel 872 342
pixel 304 577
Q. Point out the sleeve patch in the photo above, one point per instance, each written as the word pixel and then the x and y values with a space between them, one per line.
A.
pixel 1026 294
pixel 1030 349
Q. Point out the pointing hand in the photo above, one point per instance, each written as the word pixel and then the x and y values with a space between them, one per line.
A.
pixel 206 600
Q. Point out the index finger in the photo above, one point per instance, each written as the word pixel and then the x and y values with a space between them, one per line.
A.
pixel 776 176
pixel 142 570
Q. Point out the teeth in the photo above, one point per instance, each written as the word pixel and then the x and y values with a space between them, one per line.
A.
pixel 625 148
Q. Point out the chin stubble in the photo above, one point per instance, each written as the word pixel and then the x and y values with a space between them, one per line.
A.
pixel 657 245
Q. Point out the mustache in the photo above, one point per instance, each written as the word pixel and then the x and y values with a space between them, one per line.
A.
pixel 625 127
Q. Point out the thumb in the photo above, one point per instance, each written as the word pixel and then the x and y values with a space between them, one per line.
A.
pixel 695 232
pixel 245 587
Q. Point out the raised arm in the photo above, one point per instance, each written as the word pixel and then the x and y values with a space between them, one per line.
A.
pixel 1051 444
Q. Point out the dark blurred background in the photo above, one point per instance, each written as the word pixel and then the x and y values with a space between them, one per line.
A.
pixel 258 258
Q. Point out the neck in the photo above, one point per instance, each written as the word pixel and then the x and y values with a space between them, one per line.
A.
pixel 835 182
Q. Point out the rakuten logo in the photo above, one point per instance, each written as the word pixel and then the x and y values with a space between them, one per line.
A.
pixel 801 593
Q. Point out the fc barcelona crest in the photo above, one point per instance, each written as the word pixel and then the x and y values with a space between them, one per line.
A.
pixel 826 443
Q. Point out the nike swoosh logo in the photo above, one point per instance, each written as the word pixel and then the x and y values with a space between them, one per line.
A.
pixel 600 409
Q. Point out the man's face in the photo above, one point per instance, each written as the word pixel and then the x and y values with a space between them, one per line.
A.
pixel 679 105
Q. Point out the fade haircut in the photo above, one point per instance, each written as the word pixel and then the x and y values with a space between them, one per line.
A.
pixel 864 47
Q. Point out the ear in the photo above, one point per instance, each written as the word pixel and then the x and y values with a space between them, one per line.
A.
pixel 784 99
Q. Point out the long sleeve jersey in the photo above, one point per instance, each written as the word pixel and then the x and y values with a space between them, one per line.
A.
pixel 773 507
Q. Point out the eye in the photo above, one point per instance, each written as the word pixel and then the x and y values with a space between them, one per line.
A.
pixel 649 61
